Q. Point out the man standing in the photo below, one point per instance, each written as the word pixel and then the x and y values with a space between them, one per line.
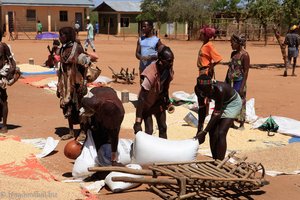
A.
pixel 90 36
pixel 147 45
pixel 77 27
pixel 154 94
pixel 292 41
pixel 39 27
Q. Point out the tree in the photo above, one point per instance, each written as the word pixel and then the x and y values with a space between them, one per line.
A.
pixel 266 11
pixel 291 12
pixel 190 11
pixel 154 10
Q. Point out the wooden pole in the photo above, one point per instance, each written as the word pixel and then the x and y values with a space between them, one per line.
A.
pixel 282 48
pixel 122 169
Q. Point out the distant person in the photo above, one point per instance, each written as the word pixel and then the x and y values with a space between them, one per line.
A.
pixel 9 74
pixel 208 57
pixel 147 45
pixel 39 27
pixel 77 27
pixel 292 40
pixel 228 104
pixel 153 97
pixel 237 73
pixel 90 36
pixel 97 28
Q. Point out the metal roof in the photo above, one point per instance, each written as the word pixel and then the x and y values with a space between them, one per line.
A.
pixel 121 5
pixel 82 3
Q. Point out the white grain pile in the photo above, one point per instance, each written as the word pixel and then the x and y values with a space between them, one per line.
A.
pixel 14 151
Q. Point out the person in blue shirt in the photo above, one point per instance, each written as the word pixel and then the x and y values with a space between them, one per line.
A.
pixel 147 45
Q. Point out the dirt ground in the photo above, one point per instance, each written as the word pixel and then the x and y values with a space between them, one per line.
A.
pixel 34 112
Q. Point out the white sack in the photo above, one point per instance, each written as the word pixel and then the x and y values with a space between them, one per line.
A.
pixel 87 158
pixel 124 148
pixel 250 111
pixel 148 149
pixel 286 125
pixel 119 186
pixel 183 96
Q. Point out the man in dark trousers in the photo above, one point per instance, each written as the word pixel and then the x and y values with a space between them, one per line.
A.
pixel 154 94
pixel 292 40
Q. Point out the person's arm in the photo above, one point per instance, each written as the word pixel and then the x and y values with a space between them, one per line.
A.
pixel 138 51
pixel 215 57
pixel 246 66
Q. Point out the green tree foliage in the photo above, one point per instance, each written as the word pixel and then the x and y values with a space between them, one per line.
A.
pixel 266 12
pixel 154 10
pixel 291 12
pixel 190 11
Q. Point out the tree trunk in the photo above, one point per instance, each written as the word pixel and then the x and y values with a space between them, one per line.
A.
pixel 265 34
pixel 282 48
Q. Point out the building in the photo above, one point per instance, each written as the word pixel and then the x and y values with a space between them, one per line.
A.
pixel 118 17
pixel 22 15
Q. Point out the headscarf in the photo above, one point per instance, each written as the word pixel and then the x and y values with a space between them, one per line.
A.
pixel 208 32
pixel 204 80
pixel 239 39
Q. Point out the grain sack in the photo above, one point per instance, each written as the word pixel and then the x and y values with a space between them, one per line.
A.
pixel 149 149
pixel 119 186
pixel 88 158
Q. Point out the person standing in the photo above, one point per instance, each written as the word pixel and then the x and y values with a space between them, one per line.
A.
pixel 292 40
pixel 90 36
pixel 39 27
pixel 71 86
pixel 237 73
pixel 9 74
pixel 228 104
pixel 147 45
pixel 208 57
pixel 153 97
pixel 77 27
pixel 97 28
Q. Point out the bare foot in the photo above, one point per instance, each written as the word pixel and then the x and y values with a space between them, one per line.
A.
pixel 68 136
pixel 294 75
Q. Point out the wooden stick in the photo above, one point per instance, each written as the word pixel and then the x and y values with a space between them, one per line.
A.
pixel 182 163
pixel 121 169
pixel 144 180
pixel 226 179
pixel 282 48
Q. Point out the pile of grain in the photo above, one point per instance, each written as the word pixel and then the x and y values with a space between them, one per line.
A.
pixel 15 188
pixel 15 151
pixel 33 68
pixel 283 159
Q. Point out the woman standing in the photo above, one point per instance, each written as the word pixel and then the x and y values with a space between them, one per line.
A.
pixel 208 57
pixel 237 73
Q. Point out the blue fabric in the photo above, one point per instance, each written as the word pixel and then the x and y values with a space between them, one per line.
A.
pixel 237 85
pixel 38 73
pixel 294 139
pixel 148 47
pixel 46 35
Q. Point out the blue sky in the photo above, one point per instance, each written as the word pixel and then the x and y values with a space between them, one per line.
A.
pixel 97 2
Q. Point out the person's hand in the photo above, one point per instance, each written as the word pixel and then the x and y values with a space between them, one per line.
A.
pixel 145 58
pixel 57 94
pixel 116 163
pixel 201 136
pixel 137 127
pixel 241 93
